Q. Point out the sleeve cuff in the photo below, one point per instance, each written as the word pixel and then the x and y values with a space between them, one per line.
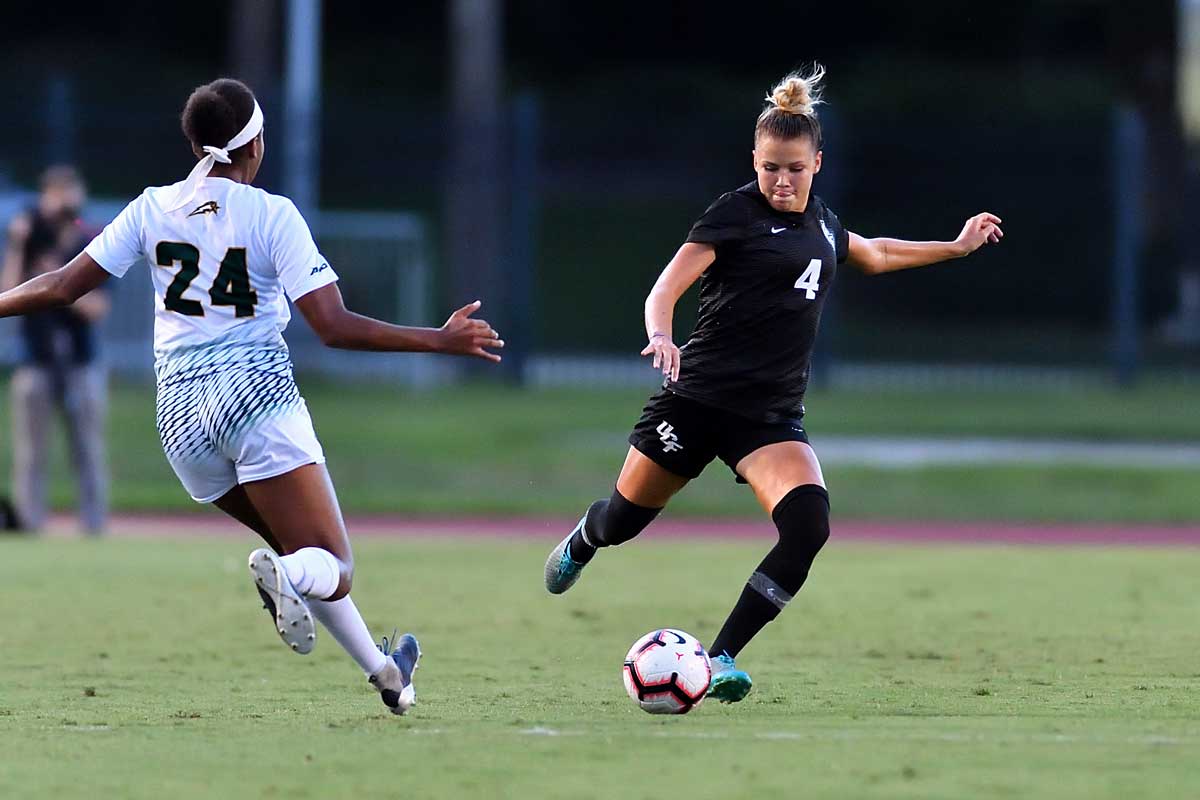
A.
pixel 319 281
pixel 110 269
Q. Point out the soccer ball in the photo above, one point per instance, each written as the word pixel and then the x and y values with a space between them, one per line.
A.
pixel 667 672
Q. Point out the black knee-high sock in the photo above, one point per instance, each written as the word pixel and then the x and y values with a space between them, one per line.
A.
pixel 802 518
pixel 607 523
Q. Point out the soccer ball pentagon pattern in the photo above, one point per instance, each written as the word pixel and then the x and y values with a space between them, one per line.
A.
pixel 667 672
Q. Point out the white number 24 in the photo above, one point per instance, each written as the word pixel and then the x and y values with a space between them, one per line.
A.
pixel 808 280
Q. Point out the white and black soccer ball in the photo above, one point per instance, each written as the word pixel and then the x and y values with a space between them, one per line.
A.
pixel 667 672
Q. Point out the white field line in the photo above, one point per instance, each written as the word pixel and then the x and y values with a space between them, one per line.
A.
pixel 826 734
pixel 851 735
pixel 84 728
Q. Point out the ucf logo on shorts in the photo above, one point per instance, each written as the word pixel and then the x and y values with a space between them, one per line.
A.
pixel 666 434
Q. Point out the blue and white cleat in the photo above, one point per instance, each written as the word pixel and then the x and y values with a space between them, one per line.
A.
pixel 561 570
pixel 394 681
pixel 729 684
pixel 293 621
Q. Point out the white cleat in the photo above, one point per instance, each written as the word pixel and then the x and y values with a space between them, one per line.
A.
pixel 293 621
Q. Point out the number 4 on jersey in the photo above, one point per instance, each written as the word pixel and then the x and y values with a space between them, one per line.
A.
pixel 808 281
pixel 232 286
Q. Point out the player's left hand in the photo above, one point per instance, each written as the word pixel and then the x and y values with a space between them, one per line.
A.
pixel 980 229
pixel 666 355
pixel 462 335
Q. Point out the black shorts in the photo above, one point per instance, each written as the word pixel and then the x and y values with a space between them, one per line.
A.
pixel 682 436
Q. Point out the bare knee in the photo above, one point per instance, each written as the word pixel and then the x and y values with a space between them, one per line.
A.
pixel 346 580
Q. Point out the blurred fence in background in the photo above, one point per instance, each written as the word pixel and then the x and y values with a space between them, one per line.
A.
pixel 609 147
pixel 1037 310
pixel 387 270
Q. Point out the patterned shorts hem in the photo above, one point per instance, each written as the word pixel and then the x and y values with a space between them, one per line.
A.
pixel 216 495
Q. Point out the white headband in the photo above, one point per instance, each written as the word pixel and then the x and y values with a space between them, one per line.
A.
pixel 217 154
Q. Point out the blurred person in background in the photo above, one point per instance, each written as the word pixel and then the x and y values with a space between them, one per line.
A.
pixel 8 516
pixel 59 368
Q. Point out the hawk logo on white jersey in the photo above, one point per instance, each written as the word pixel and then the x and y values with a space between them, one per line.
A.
pixel 210 207
pixel 666 433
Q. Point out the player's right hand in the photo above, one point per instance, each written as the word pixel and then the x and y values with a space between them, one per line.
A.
pixel 666 356
pixel 462 335
pixel 979 230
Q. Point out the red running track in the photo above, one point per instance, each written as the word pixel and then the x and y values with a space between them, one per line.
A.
pixel 550 529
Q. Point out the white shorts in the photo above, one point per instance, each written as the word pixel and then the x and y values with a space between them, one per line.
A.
pixel 275 446
pixel 236 423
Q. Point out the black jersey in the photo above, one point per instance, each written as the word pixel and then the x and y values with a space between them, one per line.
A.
pixel 760 304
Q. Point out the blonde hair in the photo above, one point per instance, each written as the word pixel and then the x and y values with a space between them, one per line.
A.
pixel 790 112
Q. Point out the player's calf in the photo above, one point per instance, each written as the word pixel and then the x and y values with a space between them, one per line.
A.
pixel 802 518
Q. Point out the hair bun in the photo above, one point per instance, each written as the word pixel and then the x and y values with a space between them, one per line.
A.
pixel 798 93
pixel 216 111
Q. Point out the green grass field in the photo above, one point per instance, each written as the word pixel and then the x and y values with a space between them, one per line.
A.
pixel 145 669
pixel 493 450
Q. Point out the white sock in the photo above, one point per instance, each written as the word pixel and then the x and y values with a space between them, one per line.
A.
pixel 344 623
pixel 314 571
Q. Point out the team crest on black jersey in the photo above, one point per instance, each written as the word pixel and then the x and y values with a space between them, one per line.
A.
pixel 210 207
pixel 829 237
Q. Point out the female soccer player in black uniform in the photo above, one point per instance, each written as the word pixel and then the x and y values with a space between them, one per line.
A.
pixel 768 253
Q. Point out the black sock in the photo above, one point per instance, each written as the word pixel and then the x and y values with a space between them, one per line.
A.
pixel 748 617
pixel 609 523
pixel 580 549
pixel 802 518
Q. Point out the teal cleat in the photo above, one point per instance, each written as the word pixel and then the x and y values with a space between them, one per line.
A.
pixel 561 570
pixel 729 684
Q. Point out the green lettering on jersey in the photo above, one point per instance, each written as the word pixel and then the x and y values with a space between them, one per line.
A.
pixel 167 254
pixel 231 287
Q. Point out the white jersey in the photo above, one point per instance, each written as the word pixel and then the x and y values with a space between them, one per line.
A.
pixel 222 267
pixel 228 410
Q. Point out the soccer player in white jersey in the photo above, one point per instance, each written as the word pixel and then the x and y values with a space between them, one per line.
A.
pixel 225 257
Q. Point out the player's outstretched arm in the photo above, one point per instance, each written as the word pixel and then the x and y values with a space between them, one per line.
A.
pixel 341 328
pixel 689 263
pixel 875 256
pixel 62 287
